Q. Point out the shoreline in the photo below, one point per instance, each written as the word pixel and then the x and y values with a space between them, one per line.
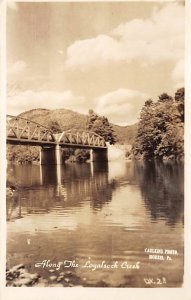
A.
pixel 19 276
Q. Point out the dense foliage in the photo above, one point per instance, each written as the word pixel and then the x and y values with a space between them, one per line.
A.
pixel 23 154
pixel 101 126
pixel 75 155
pixel 161 128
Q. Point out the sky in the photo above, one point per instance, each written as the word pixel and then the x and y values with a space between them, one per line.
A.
pixel 109 57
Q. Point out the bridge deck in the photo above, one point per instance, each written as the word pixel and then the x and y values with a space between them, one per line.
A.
pixel 14 141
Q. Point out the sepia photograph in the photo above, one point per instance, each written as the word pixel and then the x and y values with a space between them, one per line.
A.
pixel 95 144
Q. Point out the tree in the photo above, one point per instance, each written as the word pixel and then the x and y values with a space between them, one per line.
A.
pixel 144 143
pixel 101 126
pixel 165 98
pixel 81 155
pixel 22 154
pixel 160 129
pixel 179 99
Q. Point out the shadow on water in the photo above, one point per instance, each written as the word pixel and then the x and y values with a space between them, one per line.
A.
pixel 162 188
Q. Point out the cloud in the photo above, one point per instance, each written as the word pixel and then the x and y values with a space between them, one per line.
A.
pixel 17 67
pixel 178 74
pixel 92 52
pixel 26 100
pixel 149 41
pixel 122 106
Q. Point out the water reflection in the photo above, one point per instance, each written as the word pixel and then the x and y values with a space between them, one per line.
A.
pixel 41 189
pixel 162 188
pixel 69 187
pixel 106 212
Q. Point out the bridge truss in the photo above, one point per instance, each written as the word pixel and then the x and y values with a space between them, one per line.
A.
pixel 24 131
pixel 27 132
pixel 82 139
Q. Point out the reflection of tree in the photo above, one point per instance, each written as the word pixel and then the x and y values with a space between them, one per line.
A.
pixel 13 207
pixel 162 189
pixel 102 191
pixel 23 175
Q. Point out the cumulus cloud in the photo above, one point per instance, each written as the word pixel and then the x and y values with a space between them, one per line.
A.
pixel 178 74
pixel 25 100
pixel 122 106
pixel 99 50
pixel 17 67
pixel 159 38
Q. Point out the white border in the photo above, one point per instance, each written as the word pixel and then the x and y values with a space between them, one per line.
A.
pixel 32 293
pixel 187 164
pixel 2 145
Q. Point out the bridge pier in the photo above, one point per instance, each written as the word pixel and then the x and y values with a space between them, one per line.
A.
pixel 99 155
pixel 51 155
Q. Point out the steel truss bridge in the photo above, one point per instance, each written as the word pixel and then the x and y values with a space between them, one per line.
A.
pixel 21 131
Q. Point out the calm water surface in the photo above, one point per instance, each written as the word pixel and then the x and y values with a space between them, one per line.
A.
pixel 92 213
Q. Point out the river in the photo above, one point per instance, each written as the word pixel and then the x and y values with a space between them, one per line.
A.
pixel 119 224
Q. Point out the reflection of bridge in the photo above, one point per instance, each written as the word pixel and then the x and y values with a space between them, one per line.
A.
pixel 75 186
pixel 22 131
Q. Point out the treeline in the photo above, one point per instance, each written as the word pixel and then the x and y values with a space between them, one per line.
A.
pixel 31 154
pixel 161 128
pixel 23 154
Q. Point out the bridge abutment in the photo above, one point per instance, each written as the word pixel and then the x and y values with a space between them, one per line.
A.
pixel 51 155
pixel 99 155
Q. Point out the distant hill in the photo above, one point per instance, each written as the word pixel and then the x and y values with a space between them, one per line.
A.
pixel 125 134
pixel 68 119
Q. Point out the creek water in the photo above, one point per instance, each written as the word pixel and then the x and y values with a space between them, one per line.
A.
pixel 118 224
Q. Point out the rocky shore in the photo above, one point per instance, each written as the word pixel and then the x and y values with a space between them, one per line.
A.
pixel 18 276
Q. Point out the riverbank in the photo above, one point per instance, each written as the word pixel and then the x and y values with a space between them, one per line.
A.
pixel 19 276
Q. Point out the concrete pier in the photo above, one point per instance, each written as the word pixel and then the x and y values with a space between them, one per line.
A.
pixel 99 155
pixel 51 155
